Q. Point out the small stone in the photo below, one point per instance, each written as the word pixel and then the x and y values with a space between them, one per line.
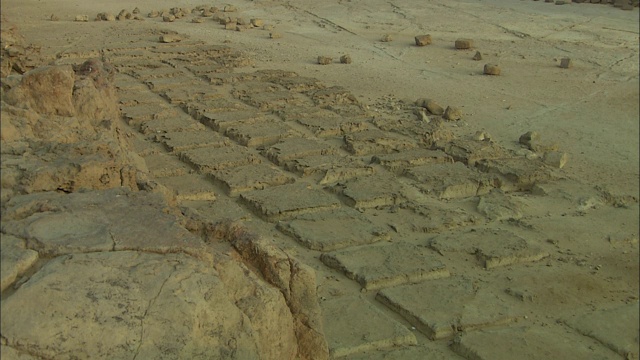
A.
pixel 230 8
pixel 386 38
pixel 136 10
pixel 565 63
pixel 463 44
pixel 481 136
pixel 168 18
pixel 207 13
pixel 324 60
pixel 170 38
pixel 275 35
pixel 452 114
pixel 230 26
pixel 257 22
pixel 154 14
pixel 556 159
pixel 54 18
pixel 491 69
pixel 477 56
pixel 82 18
pixel 137 17
pixel 423 40
pixel 528 138
pixel 345 59
pixel 431 105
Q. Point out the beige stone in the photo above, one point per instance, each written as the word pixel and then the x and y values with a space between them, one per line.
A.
pixel 463 44
pixel 423 40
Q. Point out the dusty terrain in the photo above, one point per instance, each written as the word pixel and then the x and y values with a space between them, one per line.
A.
pixel 220 194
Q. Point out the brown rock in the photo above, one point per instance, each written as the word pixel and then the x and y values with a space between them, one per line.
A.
pixel 136 10
pixel 54 17
pixel 566 63
pixel 477 56
pixel 528 138
pixel 154 14
pixel 257 22
pixel 491 69
pixel 423 40
pixel 556 159
pixel 168 18
pixel 324 60
pixel 345 59
pixel 452 114
pixel 431 105
pixel 386 38
pixel 463 44
pixel 47 90
pixel 81 18
pixel 230 8
pixel 170 38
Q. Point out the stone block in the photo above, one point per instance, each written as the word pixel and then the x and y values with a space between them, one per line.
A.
pixel 293 148
pixel 208 160
pixel 250 177
pixel 369 142
pixel 404 160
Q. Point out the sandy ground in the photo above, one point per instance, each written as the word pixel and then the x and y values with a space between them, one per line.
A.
pixel 591 111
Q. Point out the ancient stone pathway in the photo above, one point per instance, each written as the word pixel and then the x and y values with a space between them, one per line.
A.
pixel 385 208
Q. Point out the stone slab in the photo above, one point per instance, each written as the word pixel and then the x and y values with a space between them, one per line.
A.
pixel 529 343
pixel 492 247
pixel 399 162
pixel 265 101
pixel 216 105
pixel 222 120
pixel 449 180
pixel 190 187
pixel 298 83
pixel 363 327
pixel 333 95
pixel 251 177
pixel 181 95
pixel 293 148
pixel 518 174
pixel 617 328
pixel 498 206
pixel 163 165
pixel 222 208
pixel 320 164
pixel 179 122
pixel 379 266
pixel 288 201
pixel 208 160
pixel 16 259
pixel 260 133
pixel 371 142
pixel 422 351
pixel 436 217
pixel 472 151
pixel 442 307
pixel 371 191
pixel 337 229
pixel 185 140
pixel 323 125
pixel 136 114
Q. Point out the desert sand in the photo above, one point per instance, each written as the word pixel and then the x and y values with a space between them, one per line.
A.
pixel 280 180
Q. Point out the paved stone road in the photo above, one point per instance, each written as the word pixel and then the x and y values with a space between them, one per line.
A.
pixel 383 202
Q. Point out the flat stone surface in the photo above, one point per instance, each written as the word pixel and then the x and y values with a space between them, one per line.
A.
pixel 287 201
pixel 199 108
pixel 208 160
pixel 436 217
pixel 617 328
pixel 163 165
pixel 222 208
pixel 135 115
pixel 327 231
pixel 320 164
pixel 276 100
pixel 180 95
pixel 472 151
pixel 370 142
pixel 16 259
pixel 346 171
pixel 449 180
pixel 379 266
pixel 332 124
pixel 497 206
pixel 399 162
pixel 221 121
pixel 251 177
pixel 371 191
pixel 367 328
pixel 190 187
pixel 185 140
pixel 180 122
pixel 439 308
pixel 7 352
pixel 422 351
pixel 492 247
pixel 260 133
pixel 518 174
pixel 108 220
pixel 115 306
pixel 294 148
pixel 171 79
pixel 529 343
